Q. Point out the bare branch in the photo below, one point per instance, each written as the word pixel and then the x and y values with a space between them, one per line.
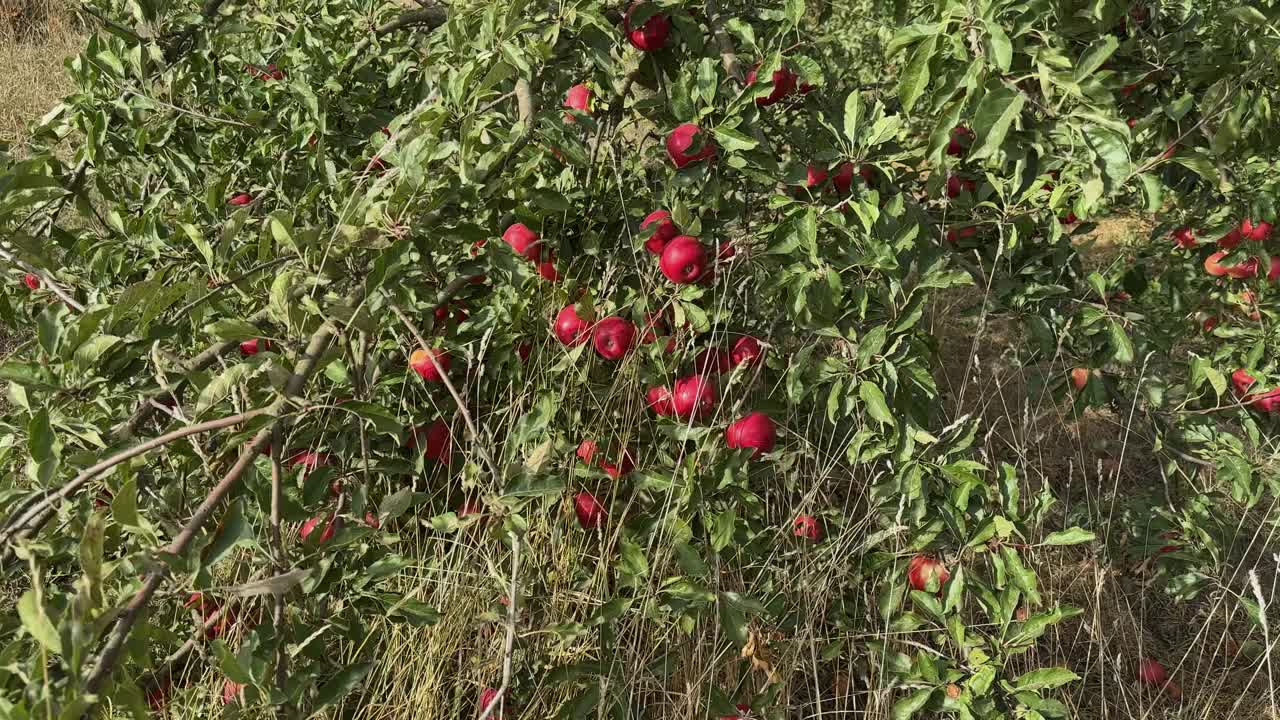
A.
pixel 34 518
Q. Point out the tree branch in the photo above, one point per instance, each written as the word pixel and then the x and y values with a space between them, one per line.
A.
pixel 511 633
pixel 36 516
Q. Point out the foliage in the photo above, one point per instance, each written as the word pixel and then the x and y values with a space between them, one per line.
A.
pixel 302 173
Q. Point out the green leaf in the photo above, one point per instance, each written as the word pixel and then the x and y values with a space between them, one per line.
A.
pixel 794 11
pixel 873 398
pixel 37 623
pixel 1045 679
pixel 394 505
pixel 908 706
pixel 722 529
pixel 1001 47
pixel 996 113
pixel 1095 56
pixel 1070 536
pixel 1121 346
pixel 915 78
pixel 633 561
pixel 232 329
pixel 232 531
pixel 852 109
pixel 341 684
pixel 220 387
pixel 733 140
pixel 1248 15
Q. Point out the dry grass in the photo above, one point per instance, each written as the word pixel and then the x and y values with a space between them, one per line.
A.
pixel 33 46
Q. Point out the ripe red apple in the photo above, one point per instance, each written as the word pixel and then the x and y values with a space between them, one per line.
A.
pixel 682 139
pixel 1070 219
pixel 1213 266
pixel 743 710
pixel 230 691
pixel 807 527
pixel 523 350
pixel 746 351
pixel 434 441
pixel 372 520
pixel 469 507
pixel 240 199
pixel 926 573
pixel 308 459
pixel 488 697
pixel 254 346
pixel 421 363
pixel 784 81
pixel 1079 378
pixel 693 397
pixel 1241 380
pixel 1244 270
pixel 524 241
pixel 586 450
pixel 712 361
pixel 1267 402
pixel 589 510
pixel 957 185
pixel 756 430
pixel 684 260
pixel 569 328
pixel 1273 273
pixel 1151 672
pixel 330 526
pixel 814 176
pixel 652 35
pixel 1132 123
pixel 1185 237
pixel 961 138
pixel 1258 231
pixel 1209 323
pixel 477 246
pixel 842 178
pixel 954 236
pixel 32 281
pixel 613 337
pixel 664 229
pixel 1231 239
pixel 578 98
pixel 724 252
pixel 547 269
pixel 660 401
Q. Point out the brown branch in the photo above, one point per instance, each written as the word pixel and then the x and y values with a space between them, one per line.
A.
pixel 728 57
pixel 35 517
pixel 430 17
pixel 110 654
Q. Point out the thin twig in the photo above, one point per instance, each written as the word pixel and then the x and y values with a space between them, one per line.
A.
pixel 37 515
pixel 220 287
pixel 511 632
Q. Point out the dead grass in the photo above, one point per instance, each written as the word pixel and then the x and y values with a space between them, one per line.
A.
pixel 32 76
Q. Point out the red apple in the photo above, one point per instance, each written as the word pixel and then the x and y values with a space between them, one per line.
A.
pixel 578 98
pixel 660 401
pixel 32 281
pixel 1241 380
pixel 652 35
pixel 1209 323
pixel 254 346
pixel 1079 378
pixel 664 229
pixel 746 351
pixel 230 691
pixel 613 337
pixel 682 139
pixel 372 520
pixel 814 176
pixel 1258 231
pixel 1185 237
pixel 926 573
pixel 756 430
pixel 587 450
pixel 842 178
pixel 1213 266
pixel 693 397
pixel 1070 219
pixel 1151 672
pixel 784 81
pixel 1132 123
pixel 961 138
pixel 240 199
pixel 488 697
pixel 330 526
pixel 807 527
pixel 434 440
pixel 1244 270
pixel 524 241
pixel 684 260
pixel 1231 239
pixel 308 459
pixel 158 696
pixel 957 185
pixel 712 361
pixel 476 246
pixel 1273 273
pixel 589 510
pixel 569 328
pixel 743 710
pixel 547 269
pixel 523 350
pixel 421 363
